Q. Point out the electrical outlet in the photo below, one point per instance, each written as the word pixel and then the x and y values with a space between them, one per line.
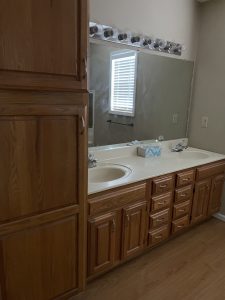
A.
pixel 205 121
pixel 175 118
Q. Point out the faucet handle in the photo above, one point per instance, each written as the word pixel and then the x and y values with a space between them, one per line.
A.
pixel 91 156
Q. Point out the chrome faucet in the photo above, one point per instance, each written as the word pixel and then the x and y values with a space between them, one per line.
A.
pixel 179 147
pixel 92 162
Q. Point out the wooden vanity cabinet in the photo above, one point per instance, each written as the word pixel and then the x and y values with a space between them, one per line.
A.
pixel 160 213
pixel 183 200
pixel 126 221
pixel 43 163
pixel 216 194
pixel 43 44
pixel 102 243
pixel 117 226
pixel 134 229
pixel 200 201
pixel 208 191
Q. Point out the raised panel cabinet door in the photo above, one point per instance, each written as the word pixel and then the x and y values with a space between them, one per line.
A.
pixel 134 229
pixel 216 194
pixel 41 159
pixel 43 44
pixel 101 243
pixel 201 201
pixel 40 262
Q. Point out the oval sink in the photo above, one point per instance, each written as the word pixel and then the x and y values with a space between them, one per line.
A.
pixel 107 172
pixel 192 155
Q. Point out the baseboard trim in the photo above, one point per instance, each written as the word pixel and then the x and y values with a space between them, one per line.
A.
pixel 219 216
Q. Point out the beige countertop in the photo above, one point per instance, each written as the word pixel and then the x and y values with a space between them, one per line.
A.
pixel 145 168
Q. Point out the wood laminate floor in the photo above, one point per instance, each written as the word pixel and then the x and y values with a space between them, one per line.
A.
pixel 190 267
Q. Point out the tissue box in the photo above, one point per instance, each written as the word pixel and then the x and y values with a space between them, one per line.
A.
pixel 149 151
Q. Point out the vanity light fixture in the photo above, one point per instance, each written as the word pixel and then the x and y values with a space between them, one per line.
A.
pixel 108 33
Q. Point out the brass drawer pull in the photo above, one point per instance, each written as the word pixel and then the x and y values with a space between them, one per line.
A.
pixel 159 237
pixel 162 186
pixel 162 203
pixel 180 226
pixel 186 179
pixel 160 220
pixel 184 195
pixel 181 210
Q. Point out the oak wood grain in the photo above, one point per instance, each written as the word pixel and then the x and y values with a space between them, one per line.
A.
pixel 134 229
pixel 43 44
pixel 185 178
pixel 210 170
pixel 40 263
pixel 115 198
pixel 163 184
pixel 216 194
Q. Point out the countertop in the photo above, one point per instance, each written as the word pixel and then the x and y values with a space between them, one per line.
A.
pixel 145 168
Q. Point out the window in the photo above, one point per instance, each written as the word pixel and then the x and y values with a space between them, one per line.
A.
pixel 123 82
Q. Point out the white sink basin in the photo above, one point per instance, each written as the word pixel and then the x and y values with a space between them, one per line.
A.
pixel 107 172
pixel 192 155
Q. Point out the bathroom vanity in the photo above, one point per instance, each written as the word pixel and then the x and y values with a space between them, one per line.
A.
pixel 159 199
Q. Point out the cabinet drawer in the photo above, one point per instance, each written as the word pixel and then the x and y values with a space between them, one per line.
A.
pixel 159 235
pixel 108 201
pixel 210 170
pixel 163 184
pixel 161 202
pixel 184 194
pixel 180 224
pixel 181 209
pixel 185 178
pixel 159 219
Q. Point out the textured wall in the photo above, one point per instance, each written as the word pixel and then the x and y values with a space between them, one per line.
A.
pixel 163 88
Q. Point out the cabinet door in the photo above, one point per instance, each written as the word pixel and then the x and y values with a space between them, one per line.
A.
pixel 134 229
pixel 101 243
pixel 216 194
pixel 41 158
pixel 39 262
pixel 43 44
pixel 201 200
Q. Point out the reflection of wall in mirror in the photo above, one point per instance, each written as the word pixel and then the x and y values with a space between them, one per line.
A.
pixel 163 90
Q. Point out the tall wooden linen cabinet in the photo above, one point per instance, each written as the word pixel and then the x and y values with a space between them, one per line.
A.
pixel 43 148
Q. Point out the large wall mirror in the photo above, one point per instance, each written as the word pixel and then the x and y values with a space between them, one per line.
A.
pixel 136 95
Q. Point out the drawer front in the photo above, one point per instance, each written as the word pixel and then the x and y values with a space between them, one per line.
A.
pixel 181 209
pixel 185 178
pixel 159 235
pixel 163 184
pixel 159 219
pixel 108 201
pixel 210 170
pixel 180 224
pixel 184 194
pixel 161 202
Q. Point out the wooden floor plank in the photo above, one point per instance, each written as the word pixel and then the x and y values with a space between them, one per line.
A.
pixel 190 267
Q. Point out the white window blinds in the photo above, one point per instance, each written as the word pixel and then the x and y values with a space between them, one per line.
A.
pixel 123 82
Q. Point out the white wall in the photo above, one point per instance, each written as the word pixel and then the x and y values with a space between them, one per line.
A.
pixel 209 85
pixel 175 20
